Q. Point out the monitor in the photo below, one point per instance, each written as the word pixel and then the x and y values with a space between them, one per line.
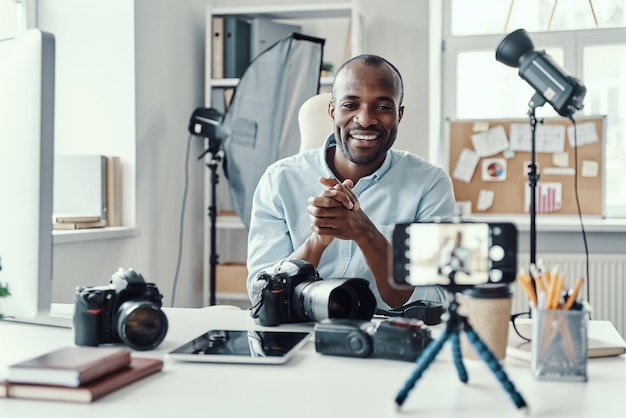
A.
pixel 26 171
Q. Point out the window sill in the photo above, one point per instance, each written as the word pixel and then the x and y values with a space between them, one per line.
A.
pixel 97 234
pixel 552 223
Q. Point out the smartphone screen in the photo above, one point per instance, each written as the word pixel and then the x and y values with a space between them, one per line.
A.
pixel 461 254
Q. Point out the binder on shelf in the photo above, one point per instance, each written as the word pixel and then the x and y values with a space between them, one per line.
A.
pixel 80 185
pixel 266 32
pixel 114 191
pixel 236 46
pixel 217 48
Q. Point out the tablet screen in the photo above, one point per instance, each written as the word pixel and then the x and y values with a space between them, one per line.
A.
pixel 236 346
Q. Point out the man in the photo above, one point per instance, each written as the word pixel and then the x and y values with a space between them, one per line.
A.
pixel 343 223
pixel 454 257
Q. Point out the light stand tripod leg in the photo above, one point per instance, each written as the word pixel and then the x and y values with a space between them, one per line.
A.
pixel 494 364
pixel 423 361
pixel 457 357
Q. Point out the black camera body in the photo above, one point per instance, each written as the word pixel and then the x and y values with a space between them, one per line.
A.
pixel 395 338
pixel 126 310
pixel 295 292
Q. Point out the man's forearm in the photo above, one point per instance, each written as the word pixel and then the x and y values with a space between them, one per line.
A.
pixel 378 255
pixel 311 250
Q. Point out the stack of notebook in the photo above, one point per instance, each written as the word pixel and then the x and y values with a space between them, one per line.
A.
pixel 78 374
pixel 77 222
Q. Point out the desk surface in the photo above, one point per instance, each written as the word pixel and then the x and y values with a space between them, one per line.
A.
pixel 315 385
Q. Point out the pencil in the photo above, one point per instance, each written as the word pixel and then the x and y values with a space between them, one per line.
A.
pixel 524 280
pixel 572 297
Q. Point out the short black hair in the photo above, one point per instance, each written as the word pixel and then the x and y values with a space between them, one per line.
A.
pixel 374 60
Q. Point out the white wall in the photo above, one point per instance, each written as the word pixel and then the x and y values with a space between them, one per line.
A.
pixel 166 77
pixel 168 44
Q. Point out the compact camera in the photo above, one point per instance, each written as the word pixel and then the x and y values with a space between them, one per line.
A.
pixel 395 338
pixel 127 310
pixel 296 293
pixel 456 254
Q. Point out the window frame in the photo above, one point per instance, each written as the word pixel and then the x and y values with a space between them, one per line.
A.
pixel 572 42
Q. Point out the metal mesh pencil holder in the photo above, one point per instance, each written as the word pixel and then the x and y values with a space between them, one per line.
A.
pixel 559 344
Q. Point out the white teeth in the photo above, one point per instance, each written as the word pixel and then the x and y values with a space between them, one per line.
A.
pixel 364 137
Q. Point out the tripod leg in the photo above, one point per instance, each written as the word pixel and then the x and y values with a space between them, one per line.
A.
pixel 457 357
pixel 423 361
pixel 494 364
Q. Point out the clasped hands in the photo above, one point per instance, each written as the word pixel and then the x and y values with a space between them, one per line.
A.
pixel 336 212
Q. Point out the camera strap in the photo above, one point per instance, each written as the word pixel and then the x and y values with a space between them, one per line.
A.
pixel 427 311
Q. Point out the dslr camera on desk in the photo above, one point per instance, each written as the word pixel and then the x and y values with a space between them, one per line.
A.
pixel 295 292
pixel 126 310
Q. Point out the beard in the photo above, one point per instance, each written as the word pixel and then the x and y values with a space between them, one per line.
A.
pixel 357 156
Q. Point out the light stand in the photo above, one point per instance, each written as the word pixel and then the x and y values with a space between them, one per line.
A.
pixel 205 122
pixel 533 176
pixel 213 164
pixel 454 324
pixel 552 84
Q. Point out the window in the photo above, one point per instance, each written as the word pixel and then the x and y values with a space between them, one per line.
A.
pixel 8 18
pixel 587 38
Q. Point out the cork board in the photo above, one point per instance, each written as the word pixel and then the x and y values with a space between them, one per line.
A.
pixel 494 177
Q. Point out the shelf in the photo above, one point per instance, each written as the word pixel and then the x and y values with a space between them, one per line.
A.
pixel 229 222
pixel 327 21
pixel 304 11
pixel 224 82
pixel 232 82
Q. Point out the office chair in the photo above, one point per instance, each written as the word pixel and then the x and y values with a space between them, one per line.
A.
pixel 314 121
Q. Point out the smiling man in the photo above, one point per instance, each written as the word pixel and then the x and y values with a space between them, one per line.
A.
pixel 336 207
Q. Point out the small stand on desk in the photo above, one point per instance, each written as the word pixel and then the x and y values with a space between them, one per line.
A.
pixel 454 324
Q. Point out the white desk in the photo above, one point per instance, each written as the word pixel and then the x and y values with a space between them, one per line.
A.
pixel 314 385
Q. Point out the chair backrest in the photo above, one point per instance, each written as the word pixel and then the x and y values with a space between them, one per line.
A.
pixel 314 122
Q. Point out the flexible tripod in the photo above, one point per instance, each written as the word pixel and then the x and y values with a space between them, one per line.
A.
pixel 454 324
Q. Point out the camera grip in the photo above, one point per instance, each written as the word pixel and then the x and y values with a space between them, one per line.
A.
pixel 86 320
pixel 269 313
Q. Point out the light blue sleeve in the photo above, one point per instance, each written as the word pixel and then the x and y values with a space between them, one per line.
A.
pixel 268 238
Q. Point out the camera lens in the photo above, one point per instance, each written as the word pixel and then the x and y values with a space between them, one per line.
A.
pixel 141 325
pixel 334 298
pixel 342 303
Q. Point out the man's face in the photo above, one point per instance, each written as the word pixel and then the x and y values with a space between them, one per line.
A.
pixel 366 113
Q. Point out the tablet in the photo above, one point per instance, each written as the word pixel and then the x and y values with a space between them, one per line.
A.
pixel 237 346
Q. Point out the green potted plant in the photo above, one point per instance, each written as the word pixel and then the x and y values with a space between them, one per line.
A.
pixel 327 68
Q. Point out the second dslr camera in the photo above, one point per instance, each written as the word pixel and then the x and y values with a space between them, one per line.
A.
pixel 296 293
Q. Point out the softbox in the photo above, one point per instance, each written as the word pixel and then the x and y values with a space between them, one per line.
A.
pixel 261 124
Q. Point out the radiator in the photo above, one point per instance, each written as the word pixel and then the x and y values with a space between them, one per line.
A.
pixel 607 283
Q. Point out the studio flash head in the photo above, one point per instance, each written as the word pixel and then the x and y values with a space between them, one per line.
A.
pixel 554 84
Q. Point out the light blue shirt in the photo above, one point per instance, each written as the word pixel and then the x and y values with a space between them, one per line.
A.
pixel 406 188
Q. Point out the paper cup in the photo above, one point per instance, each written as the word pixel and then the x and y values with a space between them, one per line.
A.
pixel 488 310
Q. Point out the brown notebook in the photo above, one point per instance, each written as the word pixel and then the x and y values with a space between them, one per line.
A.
pixel 521 349
pixel 138 369
pixel 70 366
